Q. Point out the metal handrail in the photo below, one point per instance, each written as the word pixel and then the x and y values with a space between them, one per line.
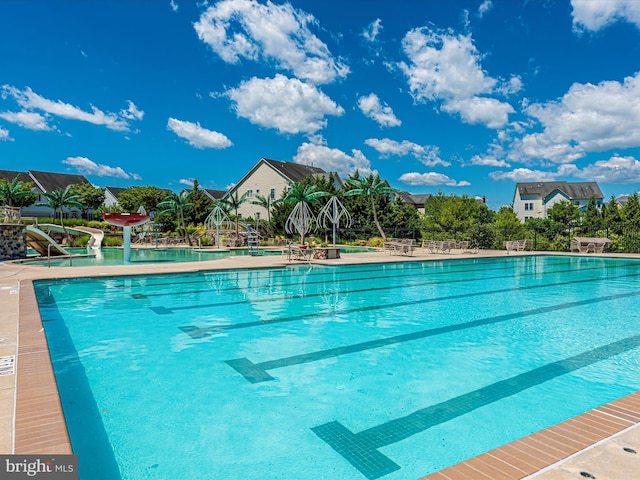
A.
pixel 49 256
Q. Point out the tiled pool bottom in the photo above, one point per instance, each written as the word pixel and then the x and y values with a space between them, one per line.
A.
pixel 387 431
pixel 40 424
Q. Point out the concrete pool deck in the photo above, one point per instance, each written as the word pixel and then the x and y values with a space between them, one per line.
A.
pixel 591 445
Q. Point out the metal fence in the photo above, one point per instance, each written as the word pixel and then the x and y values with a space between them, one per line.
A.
pixel 624 238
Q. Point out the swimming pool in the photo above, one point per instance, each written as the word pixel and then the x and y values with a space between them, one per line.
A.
pixel 366 371
pixel 115 256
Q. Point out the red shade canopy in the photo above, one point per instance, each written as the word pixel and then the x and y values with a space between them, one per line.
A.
pixel 125 219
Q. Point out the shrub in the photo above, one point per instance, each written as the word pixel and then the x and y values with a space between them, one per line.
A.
pixel 112 241
pixel 206 241
pixel 375 242
pixel 81 241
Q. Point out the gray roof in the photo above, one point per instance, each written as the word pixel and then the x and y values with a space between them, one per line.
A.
pixel 294 171
pixel 10 175
pixel 417 200
pixel 214 194
pixel 48 181
pixel 573 190
pixel 116 191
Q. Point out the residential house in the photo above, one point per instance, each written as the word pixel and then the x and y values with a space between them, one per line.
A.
pixel 214 194
pixel 111 195
pixel 270 178
pixel 44 182
pixel 534 199
pixel 416 200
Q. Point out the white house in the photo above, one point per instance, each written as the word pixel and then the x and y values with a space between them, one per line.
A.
pixel 44 182
pixel 534 199
pixel 270 178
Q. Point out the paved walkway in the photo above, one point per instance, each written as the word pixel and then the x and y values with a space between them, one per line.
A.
pixel 606 459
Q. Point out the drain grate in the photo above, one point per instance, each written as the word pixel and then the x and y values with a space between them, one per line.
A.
pixel 7 365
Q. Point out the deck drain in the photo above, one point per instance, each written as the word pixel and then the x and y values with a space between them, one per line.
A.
pixel 587 475
pixel 630 450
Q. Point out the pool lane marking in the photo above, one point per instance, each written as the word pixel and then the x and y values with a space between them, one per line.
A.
pixel 162 310
pixel 404 272
pixel 201 332
pixel 257 372
pixel 361 449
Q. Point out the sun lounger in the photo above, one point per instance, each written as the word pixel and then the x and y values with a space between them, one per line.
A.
pixel 517 245
pixel 589 244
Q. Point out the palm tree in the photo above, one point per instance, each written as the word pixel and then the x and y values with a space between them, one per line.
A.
pixel 266 203
pixel 11 192
pixel 178 203
pixel 233 202
pixel 371 186
pixel 301 218
pixel 59 199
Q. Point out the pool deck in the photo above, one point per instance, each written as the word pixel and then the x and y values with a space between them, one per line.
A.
pixel 598 444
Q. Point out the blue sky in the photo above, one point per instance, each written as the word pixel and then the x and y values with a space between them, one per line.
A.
pixel 463 97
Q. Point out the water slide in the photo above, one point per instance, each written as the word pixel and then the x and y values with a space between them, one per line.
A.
pixel 95 242
pixel 43 243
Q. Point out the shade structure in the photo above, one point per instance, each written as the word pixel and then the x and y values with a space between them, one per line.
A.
pixel 125 219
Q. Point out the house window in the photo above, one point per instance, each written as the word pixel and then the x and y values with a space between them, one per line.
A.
pixel 272 195
pixel 249 193
pixel 528 206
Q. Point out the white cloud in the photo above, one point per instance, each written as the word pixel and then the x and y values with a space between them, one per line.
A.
pixel 332 159
pixel 429 155
pixel 484 8
pixel 383 114
pixel 431 179
pixel 4 134
pixel 286 104
pixel 132 112
pixel 595 15
pixel 485 111
pixel 446 68
pixel 488 161
pixel 621 170
pixel 198 136
pixel 30 101
pixel 588 118
pixel 28 120
pixel 85 166
pixel 173 5
pixel 371 32
pixel 186 181
pixel 524 175
pixel 245 29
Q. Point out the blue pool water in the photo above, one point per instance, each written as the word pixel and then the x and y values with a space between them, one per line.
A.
pixel 388 371
pixel 115 256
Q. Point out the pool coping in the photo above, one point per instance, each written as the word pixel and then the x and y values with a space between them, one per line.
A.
pixel 39 426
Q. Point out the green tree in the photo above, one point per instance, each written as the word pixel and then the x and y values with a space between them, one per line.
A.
pixel 611 215
pixel 302 196
pixel 371 187
pixel 15 193
pixel 149 197
pixel 631 211
pixel 92 198
pixel 202 205
pixel 61 199
pixel 234 202
pixel 592 219
pixel 267 203
pixel 564 212
pixel 177 203
pixel 508 226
